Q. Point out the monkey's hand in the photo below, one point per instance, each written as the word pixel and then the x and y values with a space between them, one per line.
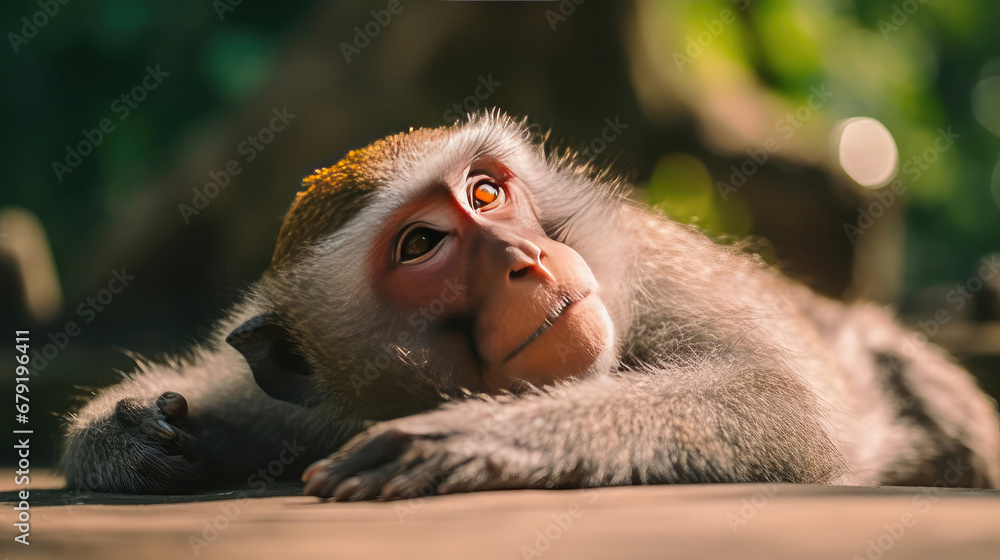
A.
pixel 466 447
pixel 132 445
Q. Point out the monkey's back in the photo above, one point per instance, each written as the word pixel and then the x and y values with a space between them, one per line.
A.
pixel 912 415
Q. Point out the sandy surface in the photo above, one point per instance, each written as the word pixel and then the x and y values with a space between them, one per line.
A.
pixel 691 521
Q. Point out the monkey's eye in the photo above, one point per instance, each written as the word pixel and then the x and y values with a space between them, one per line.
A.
pixel 417 244
pixel 486 194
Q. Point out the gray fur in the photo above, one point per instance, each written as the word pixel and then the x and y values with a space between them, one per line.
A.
pixel 725 371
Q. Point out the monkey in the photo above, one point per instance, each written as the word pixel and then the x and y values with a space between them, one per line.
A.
pixel 460 309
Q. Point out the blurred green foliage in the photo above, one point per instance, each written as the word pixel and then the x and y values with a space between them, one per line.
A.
pixel 911 64
pixel 915 72
pixel 65 79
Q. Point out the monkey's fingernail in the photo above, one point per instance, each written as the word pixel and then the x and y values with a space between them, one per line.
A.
pixel 164 430
pixel 393 489
pixel 310 488
pixel 173 405
pixel 315 468
pixel 347 488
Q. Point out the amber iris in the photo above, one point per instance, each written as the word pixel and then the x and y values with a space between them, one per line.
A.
pixel 485 194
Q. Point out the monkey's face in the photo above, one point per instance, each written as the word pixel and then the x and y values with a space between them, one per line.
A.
pixel 434 262
pixel 471 255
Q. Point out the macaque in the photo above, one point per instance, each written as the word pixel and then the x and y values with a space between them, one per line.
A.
pixel 454 309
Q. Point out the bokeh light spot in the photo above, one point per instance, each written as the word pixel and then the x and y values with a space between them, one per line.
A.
pixel 866 151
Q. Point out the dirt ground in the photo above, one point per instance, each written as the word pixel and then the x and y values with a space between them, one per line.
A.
pixel 692 521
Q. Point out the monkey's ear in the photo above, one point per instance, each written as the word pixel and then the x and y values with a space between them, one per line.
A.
pixel 277 365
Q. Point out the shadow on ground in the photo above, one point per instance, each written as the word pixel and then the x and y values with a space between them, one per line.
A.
pixel 65 497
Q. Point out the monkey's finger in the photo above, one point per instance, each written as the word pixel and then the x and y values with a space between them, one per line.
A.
pixel 139 419
pixel 337 457
pixel 462 480
pixel 173 405
pixel 422 479
pixel 321 485
pixel 324 477
pixel 347 488
pixel 164 430
pixel 367 485
pixel 363 487
pixel 387 446
pixel 314 468
pixel 328 463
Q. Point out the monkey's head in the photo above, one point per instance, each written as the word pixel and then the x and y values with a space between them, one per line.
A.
pixel 431 263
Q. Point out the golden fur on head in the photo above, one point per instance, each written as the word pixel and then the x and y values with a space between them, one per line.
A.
pixel 331 196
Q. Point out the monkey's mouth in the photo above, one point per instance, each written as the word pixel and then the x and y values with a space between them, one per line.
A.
pixel 568 299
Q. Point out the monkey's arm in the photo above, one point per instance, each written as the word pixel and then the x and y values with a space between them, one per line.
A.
pixel 183 427
pixel 696 425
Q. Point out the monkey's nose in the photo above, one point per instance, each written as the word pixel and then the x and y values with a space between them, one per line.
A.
pixel 515 274
pixel 524 264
